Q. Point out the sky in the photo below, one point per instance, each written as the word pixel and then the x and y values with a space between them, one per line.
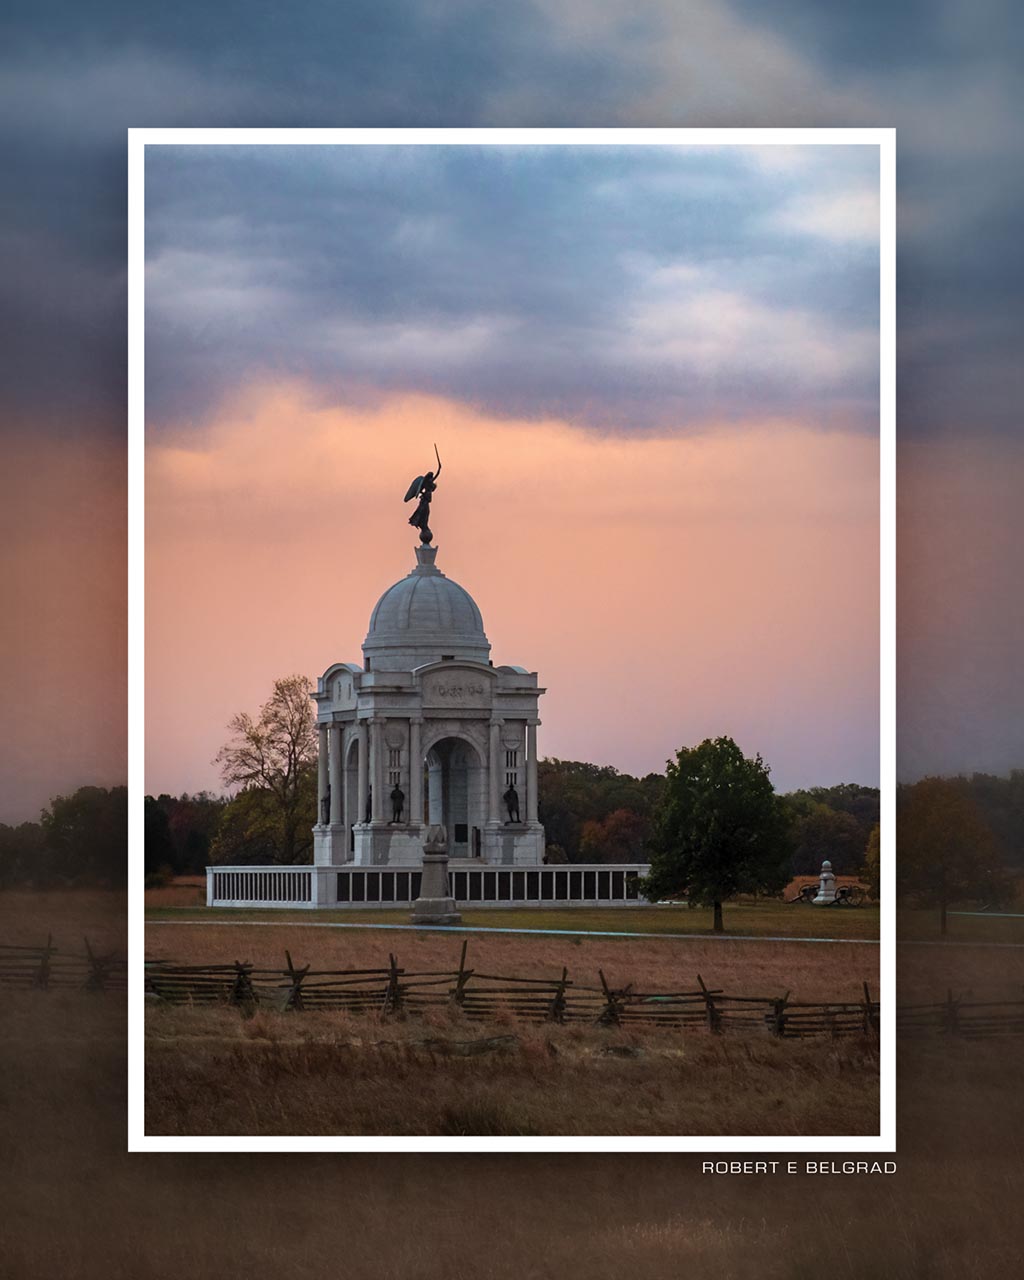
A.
pixel 653 374
pixel 73 78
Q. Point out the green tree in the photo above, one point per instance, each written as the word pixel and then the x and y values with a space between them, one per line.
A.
pixel 872 871
pixel 947 852
pixel 86 837
pixel 821 832
pixel 721 829
pixel 1001 803
pixel 21 853
pixel 273 760
pixel 160 852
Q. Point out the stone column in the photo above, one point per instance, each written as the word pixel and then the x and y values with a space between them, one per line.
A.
pixel 321 775
pixel 377 750
pixel 415 771
pixel 435 793
pixel 494 774
pixel 336 797
pixel 362 773
pixel 531 771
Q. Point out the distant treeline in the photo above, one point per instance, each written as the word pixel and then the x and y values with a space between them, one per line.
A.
pixel 591 813
pixel 80 839
pixel 1000 802
pixel 594 813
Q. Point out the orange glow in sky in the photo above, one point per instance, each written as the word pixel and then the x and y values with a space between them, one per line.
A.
pixel 666 589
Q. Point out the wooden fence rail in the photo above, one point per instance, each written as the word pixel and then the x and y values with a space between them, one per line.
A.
pixel 391 989
pixel 46 968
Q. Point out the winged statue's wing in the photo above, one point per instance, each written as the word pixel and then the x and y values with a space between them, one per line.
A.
pixel 414 489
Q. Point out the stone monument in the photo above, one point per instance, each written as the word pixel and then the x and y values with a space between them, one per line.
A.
pixel 826 886
pixel 428 732
pixel 435 905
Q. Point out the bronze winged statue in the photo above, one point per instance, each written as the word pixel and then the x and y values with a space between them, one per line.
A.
pixel 423 488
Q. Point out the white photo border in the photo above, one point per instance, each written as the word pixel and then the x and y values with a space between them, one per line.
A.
pixel 138 141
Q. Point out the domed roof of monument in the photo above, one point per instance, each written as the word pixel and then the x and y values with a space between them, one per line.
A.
pixel 423 618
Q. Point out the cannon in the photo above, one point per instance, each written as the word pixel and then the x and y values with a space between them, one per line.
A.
pixel 847 895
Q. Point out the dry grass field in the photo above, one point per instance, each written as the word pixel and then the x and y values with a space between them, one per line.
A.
pixel 75 1205
pixel 183 891
pixel 812 972
pixel 210 1072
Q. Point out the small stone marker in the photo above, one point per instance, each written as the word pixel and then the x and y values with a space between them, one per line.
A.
pixel 435 905
pixel 826 886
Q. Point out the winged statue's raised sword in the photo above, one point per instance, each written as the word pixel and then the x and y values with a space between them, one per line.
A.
pixel 423 488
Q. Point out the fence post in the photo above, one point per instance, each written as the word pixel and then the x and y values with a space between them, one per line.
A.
pixel 463 976
pixel 714 1014
pixel 294 1000
pixel 611 1008
pixel 242 992
pixel 557 1011
pixel 96 980
pixel 393 994
pixel 951 1022
pixel 870 1024
pixel 779 1016
pixel 42 978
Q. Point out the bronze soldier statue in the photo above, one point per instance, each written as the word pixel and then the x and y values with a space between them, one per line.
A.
pixel 423 488
pixel 397 803
pixel 325 807
pixel 511 798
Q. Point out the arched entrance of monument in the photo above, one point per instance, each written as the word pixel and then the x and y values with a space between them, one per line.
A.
pixel 455 794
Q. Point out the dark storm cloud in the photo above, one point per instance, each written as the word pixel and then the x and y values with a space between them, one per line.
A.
pixel 618 288
pixel 73 77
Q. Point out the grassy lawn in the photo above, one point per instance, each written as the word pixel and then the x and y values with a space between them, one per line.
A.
pixel 923 926
pixel 766 919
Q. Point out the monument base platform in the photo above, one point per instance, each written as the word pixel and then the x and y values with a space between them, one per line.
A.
pixel 434 911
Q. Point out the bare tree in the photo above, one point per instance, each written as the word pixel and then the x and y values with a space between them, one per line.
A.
pixel 272 759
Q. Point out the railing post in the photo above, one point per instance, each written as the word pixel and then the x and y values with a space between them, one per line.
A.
pixel 779 1016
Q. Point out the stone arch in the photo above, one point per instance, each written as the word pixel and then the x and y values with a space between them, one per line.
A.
pixel 455 790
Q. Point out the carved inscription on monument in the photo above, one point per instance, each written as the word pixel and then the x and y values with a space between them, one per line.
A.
pixel 460 692
pixel 456 690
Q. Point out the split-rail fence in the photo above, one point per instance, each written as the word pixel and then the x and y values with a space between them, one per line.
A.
pixel 391 990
